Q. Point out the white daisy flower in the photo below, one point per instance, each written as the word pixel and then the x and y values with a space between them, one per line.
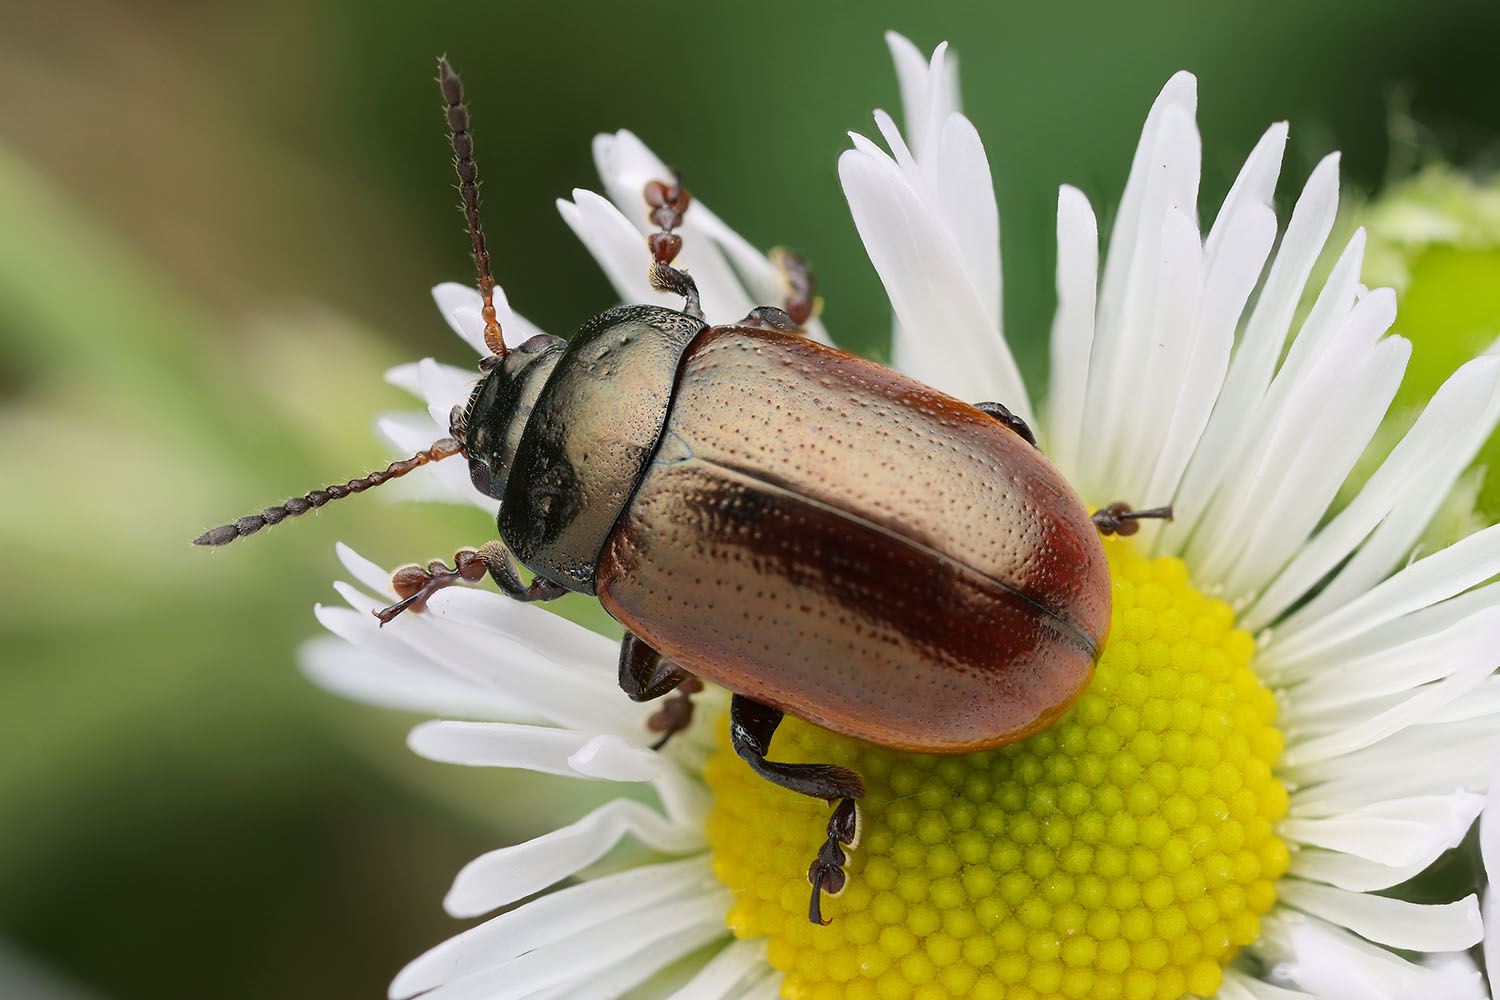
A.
pixel 1287 718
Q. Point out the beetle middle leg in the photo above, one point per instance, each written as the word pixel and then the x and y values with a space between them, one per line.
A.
pixel 414 584
pixel 800 303
pixel 646 675
pixel 1002 413
pixel 1119 519
pixel 751 726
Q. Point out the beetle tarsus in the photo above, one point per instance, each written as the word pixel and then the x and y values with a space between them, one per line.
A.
pixel 676 713
pixel 826 874
pixel 414 584
pixel 1119 519
pixel 1002 413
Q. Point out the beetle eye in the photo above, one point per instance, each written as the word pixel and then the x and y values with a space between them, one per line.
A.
pixel 479 475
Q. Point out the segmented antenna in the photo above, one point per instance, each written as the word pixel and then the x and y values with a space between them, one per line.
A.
pixel 468 188
pixel 251 523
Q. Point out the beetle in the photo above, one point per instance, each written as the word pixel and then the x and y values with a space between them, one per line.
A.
pixel 818 534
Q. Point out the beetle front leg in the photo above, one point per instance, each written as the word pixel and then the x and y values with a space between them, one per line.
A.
pixel 414 585
pixel 751 726
pixel 646 675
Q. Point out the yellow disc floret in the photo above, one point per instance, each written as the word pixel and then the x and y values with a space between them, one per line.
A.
pixel 1126 852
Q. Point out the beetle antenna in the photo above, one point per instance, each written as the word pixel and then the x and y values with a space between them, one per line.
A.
pixel 668 203
pixel 251 523
pixel 468 188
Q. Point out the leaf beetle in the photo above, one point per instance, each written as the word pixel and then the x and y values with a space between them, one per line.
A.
pixel 818 534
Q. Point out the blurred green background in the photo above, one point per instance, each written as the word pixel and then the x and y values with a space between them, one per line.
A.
pixel 219 224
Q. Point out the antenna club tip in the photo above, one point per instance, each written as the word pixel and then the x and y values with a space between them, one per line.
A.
pixel 222 535
pixel 453 90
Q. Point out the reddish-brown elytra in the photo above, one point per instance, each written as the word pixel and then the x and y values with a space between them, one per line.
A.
pixel 818 534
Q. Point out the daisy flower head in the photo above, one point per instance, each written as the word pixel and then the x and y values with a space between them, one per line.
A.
pixel 1289 715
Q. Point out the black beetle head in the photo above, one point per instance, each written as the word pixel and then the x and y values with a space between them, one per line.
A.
pixel 499 408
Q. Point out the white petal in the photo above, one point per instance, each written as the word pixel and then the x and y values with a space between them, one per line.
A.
pixel 1425 582
pixel 1306 435
pixel 536 748
pixel 1238 986
pixel 961 351
pixel 598 955
pixel 616 246
pixel 724 972
pixel 1255 358
pixel 1409 710
pixel 1394 833
pixel 1124 343
pixel 1430 455
pixel 443 387
pixel 447 481
pixel 1230 276
pixel 1394 922
pixel 561 693
pixel 929 89
pixel 1177 99
pixel 1072 326
pixel 1333 964
pixel 336 666
pixel 462 306
pixel 553 917
pixel 1421 760
pixel 503 876
pixel 732 275
pixel 1164 358
pixel 1334 684
pixel 1489 853
pixel 1346 871
pixel 1254 187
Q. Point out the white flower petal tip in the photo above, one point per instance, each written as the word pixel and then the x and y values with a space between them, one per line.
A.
pixel 617 760
pixel 732 276
pixel 553 751
pixel 463 307
pixel 492 880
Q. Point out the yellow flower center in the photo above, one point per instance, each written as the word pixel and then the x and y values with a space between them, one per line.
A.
pixel 1128 851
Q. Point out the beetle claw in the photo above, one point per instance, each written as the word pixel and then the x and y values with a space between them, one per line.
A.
pixel 826 874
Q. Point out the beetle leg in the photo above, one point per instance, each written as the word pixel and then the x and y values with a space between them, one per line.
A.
pixel 1002 413
pixel 801 305
pixel 646 675
pixel 751 726
pixel 1119 519
pixel 415 585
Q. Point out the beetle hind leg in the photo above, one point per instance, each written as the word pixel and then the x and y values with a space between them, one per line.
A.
pixel 646 675
pixel 751 726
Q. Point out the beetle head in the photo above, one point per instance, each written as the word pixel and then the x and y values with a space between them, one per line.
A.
pixel 499 408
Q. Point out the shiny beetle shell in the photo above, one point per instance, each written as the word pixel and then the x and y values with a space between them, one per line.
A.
pixel 850 546
pixel 812 530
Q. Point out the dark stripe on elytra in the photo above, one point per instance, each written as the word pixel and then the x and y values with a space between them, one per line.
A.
pixel 758 497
